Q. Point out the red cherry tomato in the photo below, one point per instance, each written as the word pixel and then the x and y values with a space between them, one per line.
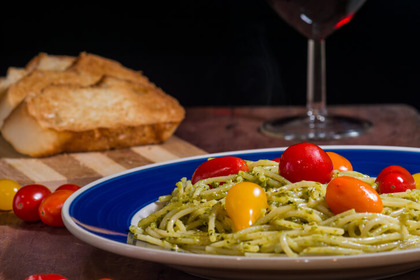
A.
pixel 46 277
pixel 70 187
pixel 390 169
pixel 276 160
pixel 50 208
pixel 395 178
pixel 345 193
pixel 339 162
pixel 221 166
pixel 305 161
pixel 27 200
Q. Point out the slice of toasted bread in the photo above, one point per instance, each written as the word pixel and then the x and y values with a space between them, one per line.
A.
pixel 45 70
pixel 113 113
pixel 34 82
pixel 20 82
pixel 50 62
pixel 13 75
pixel 42 61
pixel 90 64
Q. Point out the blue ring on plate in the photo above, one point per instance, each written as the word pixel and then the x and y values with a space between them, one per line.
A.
pixel 107 206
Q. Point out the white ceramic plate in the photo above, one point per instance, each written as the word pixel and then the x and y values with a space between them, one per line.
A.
pixel 101 212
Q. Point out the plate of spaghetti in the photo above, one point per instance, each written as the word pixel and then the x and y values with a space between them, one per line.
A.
pixel 159 213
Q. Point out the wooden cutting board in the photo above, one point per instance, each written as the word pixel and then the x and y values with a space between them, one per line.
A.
pixel 83 168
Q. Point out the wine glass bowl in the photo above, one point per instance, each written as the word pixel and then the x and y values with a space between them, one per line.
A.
pixel 316 19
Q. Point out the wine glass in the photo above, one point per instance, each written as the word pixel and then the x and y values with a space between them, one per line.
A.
pixel 316 19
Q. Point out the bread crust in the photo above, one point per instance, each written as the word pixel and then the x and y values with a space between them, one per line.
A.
pixel 91 64
pixel 37 141
pixel 43 70
pixel 44 61
pixel 121 137
pixel 111 103
pixel 95 104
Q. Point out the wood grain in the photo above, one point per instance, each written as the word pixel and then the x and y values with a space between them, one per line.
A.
pixel 83 168
pixel 220 129
pixel 29 248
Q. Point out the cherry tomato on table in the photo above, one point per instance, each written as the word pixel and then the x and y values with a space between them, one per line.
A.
pixel 244 202
pixel 71 187
pixel 395 178
pixel 345 193
pixel 339 162
pixel 8 189
pixel 221 166
pixel 52 277
pixel 50 208
pixel 305 161
pixel 27 200
pixel 46 277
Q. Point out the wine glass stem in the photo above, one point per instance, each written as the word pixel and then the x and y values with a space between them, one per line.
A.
pixel 316 81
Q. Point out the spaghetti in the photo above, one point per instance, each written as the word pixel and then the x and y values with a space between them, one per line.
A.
pixel 296 223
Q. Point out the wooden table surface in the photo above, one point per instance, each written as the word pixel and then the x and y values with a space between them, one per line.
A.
pixel 30 248
pixel 225 129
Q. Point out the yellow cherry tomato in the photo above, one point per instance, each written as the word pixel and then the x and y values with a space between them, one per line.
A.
pixel 8 189
pixel 339 162
pixel 417 180
pixel 244 203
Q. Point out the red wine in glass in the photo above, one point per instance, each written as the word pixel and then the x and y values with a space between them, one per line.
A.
pixel 316 19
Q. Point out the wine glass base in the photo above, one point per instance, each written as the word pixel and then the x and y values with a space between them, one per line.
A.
pixel 304 128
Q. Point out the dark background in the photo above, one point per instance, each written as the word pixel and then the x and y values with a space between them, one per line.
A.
pixel 226 52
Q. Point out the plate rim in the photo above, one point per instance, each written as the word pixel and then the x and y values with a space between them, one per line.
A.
pixel 237 262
